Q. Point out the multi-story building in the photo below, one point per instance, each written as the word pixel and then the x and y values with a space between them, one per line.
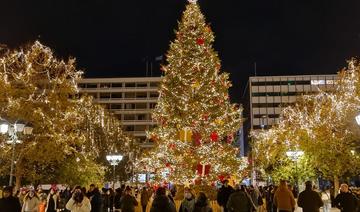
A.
pixel 269 94
pixel 130 99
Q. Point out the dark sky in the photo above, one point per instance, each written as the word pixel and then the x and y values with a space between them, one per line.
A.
pixel 112 37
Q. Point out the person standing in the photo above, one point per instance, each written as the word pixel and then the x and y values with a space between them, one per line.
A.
pixel 145 196
pixel 78 202
pixel 326 198
pixel 188 203
pixel 345 201
pixel 128 201
pixel 309 200
pixel 95 198
pixel 52 200
pixel 223 195
pixel 240 201
pixel 8 202
pixel 202 203
pixel 31 202
pixel 283 198
pixel 161 202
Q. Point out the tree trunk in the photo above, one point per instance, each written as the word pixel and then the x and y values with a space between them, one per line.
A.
pixel 336 185
pixel 18 180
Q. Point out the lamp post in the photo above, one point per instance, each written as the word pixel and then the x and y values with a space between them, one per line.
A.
pixel 114 160
pixel 294 156
pixel 12 130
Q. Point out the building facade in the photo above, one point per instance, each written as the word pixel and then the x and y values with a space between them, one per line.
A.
pixel 129 99
pixel 269 94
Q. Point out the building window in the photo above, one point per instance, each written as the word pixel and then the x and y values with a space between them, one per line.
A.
pixel 129 106
pixel 104 95
pixel 141 84
pixel 141 117
pixel 141 95
pixel 130 85
pixel 91 85
pixel 154 84
pixel 129 95
pixel 116 85
pixel 105 85
pixel 116 106
pixel 116 95
pixel 154 94
pixel 140 127
pixel 141 106
pixel 129 117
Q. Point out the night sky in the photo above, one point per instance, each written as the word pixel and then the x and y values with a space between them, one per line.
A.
pixel 112 38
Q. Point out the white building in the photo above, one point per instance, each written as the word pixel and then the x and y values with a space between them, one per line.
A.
pixel 269 94
pixel 130 99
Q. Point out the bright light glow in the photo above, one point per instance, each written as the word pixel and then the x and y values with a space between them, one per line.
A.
pixel 352 152
pixel 4 128
pixel 357 118
pixel 318 82
pixel 114 159
pixel 19 127
pixel 28 130
pixel 294 154
pixel 11 141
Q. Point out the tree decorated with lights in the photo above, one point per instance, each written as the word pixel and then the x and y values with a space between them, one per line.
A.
pixel 196 120
pixel 323 126
pixel 69 133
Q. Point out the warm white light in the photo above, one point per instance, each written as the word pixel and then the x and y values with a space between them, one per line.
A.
pixel 294 154
pixel 114 159
pixel 4 128
pixel 28 130
pixel 19 127
pixel 357 118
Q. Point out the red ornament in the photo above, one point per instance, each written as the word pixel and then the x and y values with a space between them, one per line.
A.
pixel 221 178
pixel 203 170
pixel 197 139
pixel 206 117
pixel 167 165
pixel 200 41
pixel 172 146
pixel 229 139
pixel 214 136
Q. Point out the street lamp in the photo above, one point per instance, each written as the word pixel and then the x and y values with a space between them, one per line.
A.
pixel 357 118
pixel 294 156
pixel 114 160
pixel 12 130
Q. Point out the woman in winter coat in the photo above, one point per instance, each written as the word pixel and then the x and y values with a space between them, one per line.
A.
pixel 202 203
pixel 188 203
pixel 52 201
pixel 31 202
pixel 78 202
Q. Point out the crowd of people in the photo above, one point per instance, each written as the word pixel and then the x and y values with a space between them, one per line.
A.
pixel 241 198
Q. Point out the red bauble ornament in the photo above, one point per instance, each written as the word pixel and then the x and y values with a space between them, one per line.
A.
pixel 206 117
pixel 229 139
pixel 167 165
pixel 214 136
pixel 221 178
pixel 200 41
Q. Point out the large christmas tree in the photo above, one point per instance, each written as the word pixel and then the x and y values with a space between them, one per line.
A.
pixel 196 120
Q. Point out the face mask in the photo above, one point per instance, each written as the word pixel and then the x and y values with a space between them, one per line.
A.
pixel 31 194
pixel 187 195
pixel 52 192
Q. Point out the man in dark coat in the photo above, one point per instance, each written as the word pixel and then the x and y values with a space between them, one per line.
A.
pixel 309 200
pixel 128 202
pixel 9 202
pixel 95 198
pixel 345 201
pixel 240 201
pixel 161 202
pixel 224 194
